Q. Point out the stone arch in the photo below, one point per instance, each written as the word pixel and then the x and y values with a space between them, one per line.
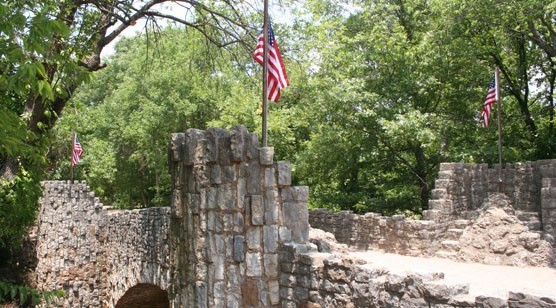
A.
pixel 144 295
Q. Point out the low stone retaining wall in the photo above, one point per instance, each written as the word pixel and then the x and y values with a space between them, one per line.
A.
pixel 392 234
pixel 460 193
pixel 498 235
pixel 311 279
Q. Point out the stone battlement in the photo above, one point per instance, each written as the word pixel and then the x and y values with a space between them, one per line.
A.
pixel 236 234
pixel 461 194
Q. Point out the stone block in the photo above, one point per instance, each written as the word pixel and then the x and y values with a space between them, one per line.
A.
pixel 233 276
pixel 490 302
pixel 193 203
pixel 268 181
pixel 239 223
pixel 193 149
pixel 211 145
pixel 177 143
pixel 224 148
pixel 250 292
pixel 237 143
pixel 274 292
pixel 201 294
pixel 285 234
pixel 227 222
pixel 294 212
pixel 283 173
pixel 270 238
pixel 226 199
pixel 253 238
pixel 229 174
pixel 521 300
pixel 253 264
pixel 239 248
pixel 257 210
pixel 295 194
pixel 233 300
pixel 177 203
pixel 254 184
pixel 270 262
pixel 241 192
pixel 270 206
pixel 266 156
pixel 252 146
pixel 215 174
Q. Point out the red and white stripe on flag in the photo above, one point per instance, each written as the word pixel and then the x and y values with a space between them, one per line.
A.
pixel 277 77
pixel 491 98
pixel 76 152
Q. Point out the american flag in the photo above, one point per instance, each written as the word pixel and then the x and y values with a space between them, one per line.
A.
pixel 77 150
pixel 277 77
pixel 490 99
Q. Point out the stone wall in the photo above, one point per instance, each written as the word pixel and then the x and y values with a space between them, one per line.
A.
pixel 236 234
pixel 548 203
pixel 232 210
pixel 393 234
pixel 311 279
pixel 96 255
pixel 137 250
pixel 70 244
pixel 460 192
pixel 461 188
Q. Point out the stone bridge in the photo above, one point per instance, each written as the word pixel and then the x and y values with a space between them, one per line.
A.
pixel 217 245
pixel 236 234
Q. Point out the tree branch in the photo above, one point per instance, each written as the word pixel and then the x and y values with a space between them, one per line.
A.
pixel 537 38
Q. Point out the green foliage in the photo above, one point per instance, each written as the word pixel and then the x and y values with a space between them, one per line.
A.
pixel 25 294
pixel 18 199
pixel 398 87
pixel 381 93
pixel 124 118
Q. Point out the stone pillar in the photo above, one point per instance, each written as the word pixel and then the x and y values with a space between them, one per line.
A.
pixel 232 210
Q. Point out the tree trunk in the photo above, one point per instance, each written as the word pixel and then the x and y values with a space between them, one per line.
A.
pixel 8 168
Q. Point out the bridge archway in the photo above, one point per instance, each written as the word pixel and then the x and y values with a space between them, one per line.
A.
pixel 144 295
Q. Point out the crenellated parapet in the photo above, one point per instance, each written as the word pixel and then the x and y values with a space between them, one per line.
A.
pixel 232 210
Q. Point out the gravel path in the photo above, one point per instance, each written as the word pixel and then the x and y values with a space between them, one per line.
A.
pixel 487 280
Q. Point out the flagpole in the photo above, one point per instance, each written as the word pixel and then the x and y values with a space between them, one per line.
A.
pixel 265 75
pixel 71 162
pixel 499 105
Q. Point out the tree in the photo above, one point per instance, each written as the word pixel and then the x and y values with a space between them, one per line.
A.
pixel 398 89
pixel 126 114
pixel 520 38
pixel 50 48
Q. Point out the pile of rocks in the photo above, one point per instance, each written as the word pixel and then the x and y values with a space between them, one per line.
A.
pixel 326 241
pixel 499 237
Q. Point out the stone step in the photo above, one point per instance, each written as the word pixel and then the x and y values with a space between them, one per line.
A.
pixel 454 234
pixel 446 255
pixel 461 223
pixel 450 245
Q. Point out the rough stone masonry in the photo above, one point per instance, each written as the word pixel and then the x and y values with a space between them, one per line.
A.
pixel 236 235
pixel 232 210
